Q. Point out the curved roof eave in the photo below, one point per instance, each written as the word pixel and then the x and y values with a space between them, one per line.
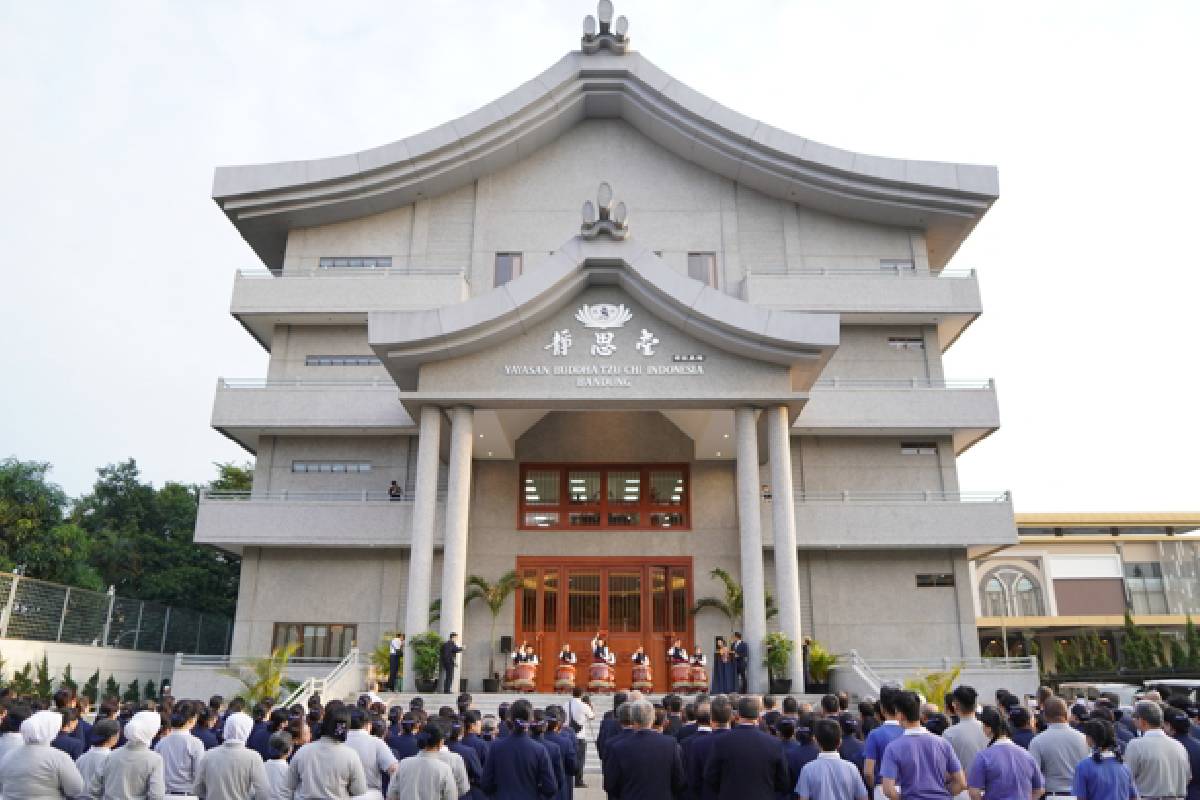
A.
pixel 946 200
pixel 406 339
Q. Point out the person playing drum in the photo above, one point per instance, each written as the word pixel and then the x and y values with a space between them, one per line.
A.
pixel 530 657
pixel 698 657
pixel 600 651
pixel 677 655
pixel 566 655
pixel 640 658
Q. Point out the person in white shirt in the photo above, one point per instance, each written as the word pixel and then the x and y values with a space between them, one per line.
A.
pixel 579 716
pixel 280 748
pixel 395 653
pixel 426 776
pixel 10 729
pixel 377 758
pixel 181 752
pixel 39 771
pixel 1159 764
pixel 105 735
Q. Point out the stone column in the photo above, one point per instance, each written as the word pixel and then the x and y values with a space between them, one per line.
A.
pixel 420 554
pixel 458 508
pixel 787 569
pixel 754 610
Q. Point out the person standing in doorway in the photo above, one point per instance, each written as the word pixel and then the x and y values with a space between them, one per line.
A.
pixel 395 653
pixel 450 651
pixel 741 651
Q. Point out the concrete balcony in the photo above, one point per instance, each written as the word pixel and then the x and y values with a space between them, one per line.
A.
pixel 966 411
pixel 235 520
pixel 263 299
pixel 243 410
pixel 899 520
pixel 949 299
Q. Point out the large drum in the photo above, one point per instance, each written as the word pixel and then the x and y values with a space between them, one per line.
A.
pixel 564 678
pixel 642 679
pixel 526 677
pixel 699 679
pixel 681 677
pixel 510 675
pixel 600 677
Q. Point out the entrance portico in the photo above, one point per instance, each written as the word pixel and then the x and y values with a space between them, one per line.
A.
pixel 605 326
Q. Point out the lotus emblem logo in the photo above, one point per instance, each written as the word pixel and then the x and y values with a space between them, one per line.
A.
pixel 603 315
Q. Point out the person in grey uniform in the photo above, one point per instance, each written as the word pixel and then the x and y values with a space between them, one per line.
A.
pixel 1159 764
pixel 104 736
pixel 132 772
pixel 181 752
pixel 232 771
pixel 327 769
pixel 38 771
pixel 1058 749
pixel 425 776
pixel 377 758
pixel 10 729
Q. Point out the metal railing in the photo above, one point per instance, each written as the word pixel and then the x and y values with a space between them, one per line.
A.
pixel 52 612
pixel 350 272
pixel 287 496
pixel 864 272
pixel 320 686
pixel 226 661
pixel 903 383
pixel 915 496
pixel 946 663
pixel 382 382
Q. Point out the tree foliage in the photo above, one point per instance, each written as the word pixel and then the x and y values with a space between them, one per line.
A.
pixel 493 595
pixel 123 533
pixel 1140 650
pixel 1192 637
pixel 264 678
pixel 732 602
pixel 91 689
pixel 112 689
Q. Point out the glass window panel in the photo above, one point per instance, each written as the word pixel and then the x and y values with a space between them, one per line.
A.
pixel 666 487
pixel 666 520
pixel 550 600
pixel 679 604
pixel 624 602
pixel 583 487
pixel 658 598
pixel 529 600
pixel 623 519
pixel 584 519
pixel 583 602
pixel 624 487
pixel 541 519
pixel 541 487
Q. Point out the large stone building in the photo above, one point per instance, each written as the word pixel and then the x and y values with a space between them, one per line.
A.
pixel 731 357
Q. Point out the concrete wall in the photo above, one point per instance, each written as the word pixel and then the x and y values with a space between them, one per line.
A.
pixel 292 343
pixel 388 456
pixel 835 464
pixel 124 665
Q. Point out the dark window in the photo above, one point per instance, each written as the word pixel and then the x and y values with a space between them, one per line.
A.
pixel 316 639
pixel 356 262
pixel 1144 582
pixel 703 267
pixel 331 466
pixel 918 448
pixel 906 342
pixel 508 267
pixel 583 497
pixel 929 579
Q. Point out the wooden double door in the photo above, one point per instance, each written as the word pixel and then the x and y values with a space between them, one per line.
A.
pixel 633 601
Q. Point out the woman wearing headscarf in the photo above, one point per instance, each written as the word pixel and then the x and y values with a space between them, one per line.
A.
pixel 327 769
pixel 132 772
pixel 39 770
pixel 232 771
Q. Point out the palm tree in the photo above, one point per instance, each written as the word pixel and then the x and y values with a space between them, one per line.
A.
pixel 494 595
pixel 732 604
pixel 263 677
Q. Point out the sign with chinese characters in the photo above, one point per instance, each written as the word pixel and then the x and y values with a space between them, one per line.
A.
pixel 603 339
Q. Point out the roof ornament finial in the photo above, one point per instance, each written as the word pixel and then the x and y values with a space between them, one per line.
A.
pixel 603 219
pixel 614 38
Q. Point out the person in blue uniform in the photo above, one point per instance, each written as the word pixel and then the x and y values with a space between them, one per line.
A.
pixel 1020 723
pixel 1179 727
pixel 565 739
pixel 851 749
pixel 537 731
pixel 518 768
pixel 404 745
pixel 724 671
pixel 609 725
pixel 455 744
pixel 741 651
pixel 449 655
pixel 645 764
pixel 746 764
pixel 472 730
pixel 793 752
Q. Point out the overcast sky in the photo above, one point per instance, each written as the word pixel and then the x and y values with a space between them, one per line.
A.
pixel 117 266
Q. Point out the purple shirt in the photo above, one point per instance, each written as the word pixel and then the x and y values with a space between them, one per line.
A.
pixel 919 762
pixel 1005 771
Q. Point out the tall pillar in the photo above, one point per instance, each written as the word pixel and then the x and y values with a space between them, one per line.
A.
pixel 754 610
pixel 787 569
pixel 458 507
pixel 420 558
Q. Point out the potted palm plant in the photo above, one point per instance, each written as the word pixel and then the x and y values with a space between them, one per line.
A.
pixel 493 596
pixel 779 655
pixel 820 662
pixel 732 602
pixel 264 678
pixel 427 652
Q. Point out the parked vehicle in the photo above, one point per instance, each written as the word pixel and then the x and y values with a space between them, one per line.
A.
pixel 1123 694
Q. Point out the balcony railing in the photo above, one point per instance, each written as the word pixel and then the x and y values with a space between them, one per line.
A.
pixel 903 383
pixel 288 496
pixel 382 382
pixel 376 272
pixel 892 498
pixel 874 272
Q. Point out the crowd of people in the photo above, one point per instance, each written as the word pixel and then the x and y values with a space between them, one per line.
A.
pixel 711 747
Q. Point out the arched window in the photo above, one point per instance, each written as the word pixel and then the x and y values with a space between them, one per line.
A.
pixel 1011 592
